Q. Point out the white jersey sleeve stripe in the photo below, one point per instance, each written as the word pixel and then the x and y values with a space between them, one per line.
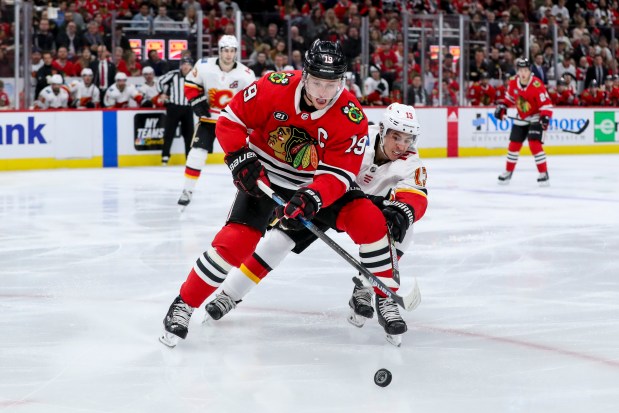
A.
pixel 346 177
pixel 230 115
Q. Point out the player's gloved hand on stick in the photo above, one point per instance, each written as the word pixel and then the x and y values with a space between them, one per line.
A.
pixel 305 203
pixel 399 218
pixel 500 111
pixel 147 104
pixel 201 107
pixel 246 171
pixel 544 121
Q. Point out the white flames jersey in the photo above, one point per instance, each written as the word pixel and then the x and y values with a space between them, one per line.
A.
pixel 82 94
pixel 400 179
pixel 49 100
pixel 148 91
pixel 218 85
pixel 114 98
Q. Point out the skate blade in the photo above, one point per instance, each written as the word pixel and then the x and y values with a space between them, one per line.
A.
pixel 504 182
pixel 396 340
pixel 356 319
pixel 181 208
pixel 169 339
pixel 544 184
pixel 206 318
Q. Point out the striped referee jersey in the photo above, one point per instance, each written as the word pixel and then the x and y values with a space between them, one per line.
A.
pixel 173 85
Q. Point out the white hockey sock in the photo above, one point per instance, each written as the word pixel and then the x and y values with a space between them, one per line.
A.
pixel 193 167
pixel 269 253
pixel 377 258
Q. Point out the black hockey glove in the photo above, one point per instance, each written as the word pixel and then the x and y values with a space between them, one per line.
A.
pixel 400 217
pixel 246 171
pixel 305 203
pixel 500 111
pixel 380 87
pixel 201 107
pixel 545 122
pixel 147 104
pixel 90 105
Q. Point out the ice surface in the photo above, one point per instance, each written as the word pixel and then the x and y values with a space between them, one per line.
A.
pixel 520 309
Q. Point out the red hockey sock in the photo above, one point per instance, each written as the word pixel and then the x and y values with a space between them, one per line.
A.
pixel 540 156
pixel 194 290
pixel 513 151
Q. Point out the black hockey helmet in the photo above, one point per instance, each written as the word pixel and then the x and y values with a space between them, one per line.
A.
pixel 561 82
pixel 523 62
pixel 325 60
pixel 594 83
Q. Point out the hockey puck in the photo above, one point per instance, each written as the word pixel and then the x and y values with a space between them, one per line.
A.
pixel 382 378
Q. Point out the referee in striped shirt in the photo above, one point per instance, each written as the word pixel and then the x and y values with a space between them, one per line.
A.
pixel 178 110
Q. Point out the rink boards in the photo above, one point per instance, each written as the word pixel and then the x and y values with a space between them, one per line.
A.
pixel 118 138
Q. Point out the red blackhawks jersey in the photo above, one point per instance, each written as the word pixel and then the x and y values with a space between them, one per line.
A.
pixel 531 100
pixel 564 98
pixel 592 98
pixel 322 149
pixel 481 95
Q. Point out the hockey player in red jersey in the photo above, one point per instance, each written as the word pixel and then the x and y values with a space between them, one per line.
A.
pixel 392 175
pixel 563 96
pixel 531 99
pixel 304 134
pixel 481 93
pixel 592 96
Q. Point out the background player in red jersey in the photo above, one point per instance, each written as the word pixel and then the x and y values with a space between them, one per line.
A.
pixel 528 94
pixel 563 96
pixel 305 135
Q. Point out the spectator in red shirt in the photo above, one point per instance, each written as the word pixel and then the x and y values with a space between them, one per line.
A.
pixel 63 64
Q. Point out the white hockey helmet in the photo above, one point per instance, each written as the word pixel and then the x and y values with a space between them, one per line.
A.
pixel 401 118
pixel 120 76
pixel 86 72
pixel 227 41
pixel 56 80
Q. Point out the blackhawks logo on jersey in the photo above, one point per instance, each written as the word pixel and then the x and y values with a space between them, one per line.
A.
pixel 294 146
pixel 353 112
pixel 522 104
pixel 280 78
pixel 536 83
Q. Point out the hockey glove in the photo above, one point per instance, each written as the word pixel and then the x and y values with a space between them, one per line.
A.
pixel 544 121
pixel 305 203
pixel 400 217
pixel 500 111
pixel 90 105
pixel 147 104
pixel 201 107
pixel 246 171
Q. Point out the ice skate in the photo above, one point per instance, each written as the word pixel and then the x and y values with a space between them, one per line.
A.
pixel 505 177
pixel 389 318
pixel 176 322
pixel 219 307
pixel 185 199
pixel 165 160
pixel 543 179
pixel 360 304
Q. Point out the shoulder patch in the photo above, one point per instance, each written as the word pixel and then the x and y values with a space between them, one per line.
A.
pixel 536 83
pixel 353 113
pixel 280 78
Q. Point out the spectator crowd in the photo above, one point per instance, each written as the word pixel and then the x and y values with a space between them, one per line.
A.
pixel 75 40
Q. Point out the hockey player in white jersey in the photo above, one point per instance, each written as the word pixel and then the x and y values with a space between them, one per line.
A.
pixel 393 176
pixel 209 87
pixel 121 94
pixel 84 92
pixel 148 89
pixel 54 96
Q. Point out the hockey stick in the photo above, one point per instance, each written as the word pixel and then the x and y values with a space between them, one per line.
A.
pixel 415 295
pixel 408 302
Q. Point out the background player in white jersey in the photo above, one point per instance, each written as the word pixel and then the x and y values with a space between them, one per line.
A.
pixel 149 89
pixel 209 87
pixel 53 96
pixel 392 175
pixel 84 92
pixel 120 94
